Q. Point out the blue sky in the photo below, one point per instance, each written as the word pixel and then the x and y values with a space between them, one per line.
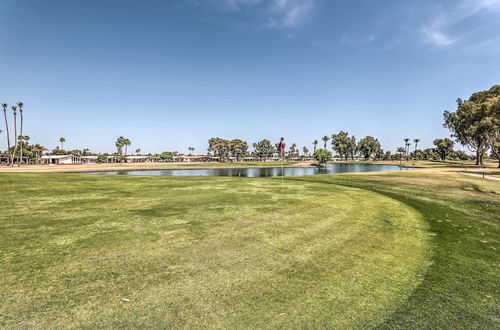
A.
pixel 171 74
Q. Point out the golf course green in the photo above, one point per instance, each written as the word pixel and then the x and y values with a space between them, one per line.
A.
pixel 416 249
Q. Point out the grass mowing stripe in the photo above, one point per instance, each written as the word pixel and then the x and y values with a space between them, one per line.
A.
pixel 110 251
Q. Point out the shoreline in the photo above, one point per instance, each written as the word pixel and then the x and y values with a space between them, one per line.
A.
pixel 82 168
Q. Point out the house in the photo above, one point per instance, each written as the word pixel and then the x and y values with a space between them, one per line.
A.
pixel 88 159
pixel 60 159
pixel 141 159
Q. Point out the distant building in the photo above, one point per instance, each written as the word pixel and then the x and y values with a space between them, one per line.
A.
pixel 60 159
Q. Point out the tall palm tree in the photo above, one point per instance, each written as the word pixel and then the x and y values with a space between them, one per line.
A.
pixel 315 143
pixel 325 139
pixel 400 151
pixel 4 105
pixel 138 151
pixel 14 110
pixel 62 140
pixel 127 143
pixel 407 144
pixel 20 105
pixel 416 144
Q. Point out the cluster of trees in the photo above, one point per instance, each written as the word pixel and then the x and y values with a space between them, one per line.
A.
pixel 20 141
pixel 476 123
pixel 224 149
pixel 121 143
pixel 264 149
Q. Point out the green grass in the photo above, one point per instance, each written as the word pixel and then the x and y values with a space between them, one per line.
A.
pixel 407 250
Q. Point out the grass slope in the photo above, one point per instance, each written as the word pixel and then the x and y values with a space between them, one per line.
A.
pixel 387 250
pixel 461 288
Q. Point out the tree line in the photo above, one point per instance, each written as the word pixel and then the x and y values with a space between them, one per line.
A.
pixel 474 124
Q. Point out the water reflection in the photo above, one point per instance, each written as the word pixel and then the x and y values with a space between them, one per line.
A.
pixel 257 172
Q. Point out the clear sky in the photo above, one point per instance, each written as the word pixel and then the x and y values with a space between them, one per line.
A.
pixel 171 74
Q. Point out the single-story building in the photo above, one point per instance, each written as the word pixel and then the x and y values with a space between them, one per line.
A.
pixel 88 159
pixel 141 159
pixel 60 159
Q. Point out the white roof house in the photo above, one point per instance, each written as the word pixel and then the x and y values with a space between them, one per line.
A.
pixel 61 159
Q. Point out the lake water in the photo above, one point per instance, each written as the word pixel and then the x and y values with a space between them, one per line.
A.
pixel 255 172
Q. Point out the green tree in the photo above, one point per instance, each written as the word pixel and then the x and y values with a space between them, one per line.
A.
pixel 305 151
pixel 38 150
pixel 368 146
pixel 353 147
pixel 238 148
pixel 137 151
pixel 444 147
pixel 407 147
pixel 342 144
pixel 62 140
pixel 315 143
pixel 475 122
pixel 167 156
pixel 21 105
pixel 323 156
pixel 102 158
pixel 126 143
pixel 5 106
pixel 293 151
pixel 430 154
pixel 14 111
pixel 416 141
pixel 220 148
pixel 325 140
pixel 263 149
pixel 120 143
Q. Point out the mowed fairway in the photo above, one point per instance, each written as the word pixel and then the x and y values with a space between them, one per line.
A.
pixel 386 250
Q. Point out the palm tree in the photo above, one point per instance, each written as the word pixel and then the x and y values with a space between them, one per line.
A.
pixel 315 143
pixel 138 151
pixel 126 143
pixel 20 105
pixel 14 110
pixel 416 144
pixel 400 150
pixel 4 105
pixel 62 140
pixel 191 149
pixel 407 144
pixel 120 143
pixel 305 150
pixel 325 139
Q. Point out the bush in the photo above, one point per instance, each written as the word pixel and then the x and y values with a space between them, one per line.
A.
pixel 322 156
pixel 102 158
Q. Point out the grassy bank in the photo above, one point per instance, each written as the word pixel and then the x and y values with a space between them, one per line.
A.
pixel 142 166
pixel 387 250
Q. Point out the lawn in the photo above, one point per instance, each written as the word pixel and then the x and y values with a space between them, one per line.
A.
pixel 388 250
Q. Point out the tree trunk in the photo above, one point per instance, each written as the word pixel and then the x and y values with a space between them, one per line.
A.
pixel 479 157
pixel 15 141
pixel 7 130
pixel 22 138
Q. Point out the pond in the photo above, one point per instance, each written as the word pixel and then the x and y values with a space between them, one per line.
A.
pixel 255 172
